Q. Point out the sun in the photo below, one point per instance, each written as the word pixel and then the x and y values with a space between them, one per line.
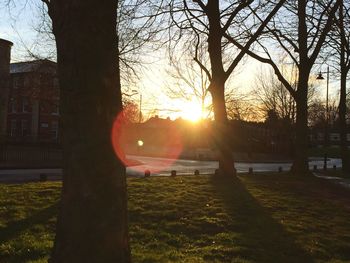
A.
pixel 191 111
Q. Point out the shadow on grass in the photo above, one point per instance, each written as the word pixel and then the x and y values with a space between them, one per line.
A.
pixel 259 237
pixel 14 230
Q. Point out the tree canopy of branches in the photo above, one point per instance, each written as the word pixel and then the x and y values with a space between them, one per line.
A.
pixel 339 45
pixel 271 95
pixel 300 30
pixel 188 82
pixel 140 27
pixel 213 24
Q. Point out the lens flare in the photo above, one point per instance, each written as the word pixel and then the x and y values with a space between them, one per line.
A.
pixel 163 140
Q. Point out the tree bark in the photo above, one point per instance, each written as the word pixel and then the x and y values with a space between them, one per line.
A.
pixel 92 222
pixel 300 164
pixel 344 151
pixel 217 90
pixel 221 133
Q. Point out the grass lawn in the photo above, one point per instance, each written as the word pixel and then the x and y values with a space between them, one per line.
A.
pixel 258 218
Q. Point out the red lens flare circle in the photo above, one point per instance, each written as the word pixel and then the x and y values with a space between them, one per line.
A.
pixel 162 140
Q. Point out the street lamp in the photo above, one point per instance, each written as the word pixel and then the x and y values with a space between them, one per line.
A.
pixel 139 142
pixel 140 105
pixel 320 77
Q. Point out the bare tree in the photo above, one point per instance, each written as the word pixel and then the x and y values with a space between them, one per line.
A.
pixel 319 115
pixel 339 44
pixel 272 95
pixel 92 222
pixel 188 81
pixel 139 28
pixel 300 31
pixel 241 106
pixel 211 21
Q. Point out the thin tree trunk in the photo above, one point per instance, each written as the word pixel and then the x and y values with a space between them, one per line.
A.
pixel 344 151
pixel 300 164
pixel 92 223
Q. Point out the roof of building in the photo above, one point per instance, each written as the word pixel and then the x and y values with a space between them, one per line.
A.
pixel 44 66
pixel 5 42
pixel 158 122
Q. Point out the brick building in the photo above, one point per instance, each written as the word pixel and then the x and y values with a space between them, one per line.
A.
pixel 32 113
pixel 5 53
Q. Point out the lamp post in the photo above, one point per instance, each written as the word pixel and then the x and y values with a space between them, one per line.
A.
pixel 140 104
pixel 139 141
pixel 320 77
pixel 140 113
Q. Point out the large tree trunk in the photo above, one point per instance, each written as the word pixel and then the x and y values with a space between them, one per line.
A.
pixel 92 222
pixel 222 131
pixel 300 164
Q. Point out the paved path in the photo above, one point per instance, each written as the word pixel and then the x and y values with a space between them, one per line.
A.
pixel 338 180
pixel 28 175
pixel 160 167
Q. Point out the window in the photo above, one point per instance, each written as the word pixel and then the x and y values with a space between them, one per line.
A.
pixel 335 137
pixel 17 82
pixel 320 136
pixel 27 80
pixel 24 127
pixel 348 136
pixel 25 104
pixel 55 82
pixel 46 81
pixel 46 106
pixel 13 105
pixel 54 129
pixel 55 109
pixel 13 128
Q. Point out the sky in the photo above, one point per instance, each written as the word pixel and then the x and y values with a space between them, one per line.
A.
pixel 18 25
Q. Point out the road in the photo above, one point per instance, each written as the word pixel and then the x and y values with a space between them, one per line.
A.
pixel 162 167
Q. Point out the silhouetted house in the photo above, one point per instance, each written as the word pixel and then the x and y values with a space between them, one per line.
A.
pixel 317 137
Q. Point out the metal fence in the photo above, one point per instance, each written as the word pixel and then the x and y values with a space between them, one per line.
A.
pixel 30 156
